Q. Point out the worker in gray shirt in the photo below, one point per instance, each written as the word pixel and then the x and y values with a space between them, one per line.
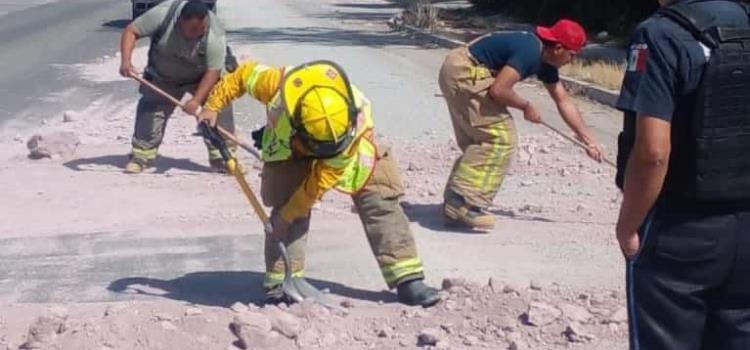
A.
pixel 187 55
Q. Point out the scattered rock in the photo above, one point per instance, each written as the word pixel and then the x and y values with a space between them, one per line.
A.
pixel 193 311
pixel 69 117
pixel 541 314
pixel 533 209
pixel 253 330
pixel 239 307
pixel 44 330
pixel 514 288
pixel 471 340
pixel 575 333
pixel 56 144
pixel 620 316
pixel 385 332
pixel 535 285
pixel 600 299
pixel 114 309
pixel 328 340
pixel 450 283
pixel 507 323
pixel 283 322
pixel 575 313
pixel 517 345
pixel 163 317
pixel 450 305
pixel 347 303
pixel 169 326
pixel 414 167
pixel 308 338
pixel 58 311
pixel 496 285
pixel 443 344
pixel 614 328
pixel 428 337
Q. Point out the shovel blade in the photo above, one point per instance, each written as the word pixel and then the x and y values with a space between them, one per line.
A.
pixel 297 288
pixel 308 291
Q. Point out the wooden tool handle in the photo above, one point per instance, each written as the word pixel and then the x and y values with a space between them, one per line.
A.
pixel 228 135
pixel 575 141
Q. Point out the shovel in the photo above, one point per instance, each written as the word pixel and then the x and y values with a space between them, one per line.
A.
pixel 298 289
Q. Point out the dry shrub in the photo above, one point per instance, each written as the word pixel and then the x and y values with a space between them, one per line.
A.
pixel 421 14
pixel 604 74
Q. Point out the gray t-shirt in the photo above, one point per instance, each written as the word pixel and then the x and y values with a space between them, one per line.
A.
pixel 176 58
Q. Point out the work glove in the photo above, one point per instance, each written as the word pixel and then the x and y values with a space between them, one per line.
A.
pixel 257 137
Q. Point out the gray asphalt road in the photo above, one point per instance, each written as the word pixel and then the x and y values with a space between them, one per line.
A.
pixel 107 230
pixel 11 6
pixel 35 39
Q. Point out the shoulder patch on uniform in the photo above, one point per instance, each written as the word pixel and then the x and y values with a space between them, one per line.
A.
pixel 638 58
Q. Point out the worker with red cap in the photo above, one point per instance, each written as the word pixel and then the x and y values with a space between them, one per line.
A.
pixel 477 82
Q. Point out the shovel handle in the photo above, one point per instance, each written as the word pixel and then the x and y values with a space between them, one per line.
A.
pixel 574 141
pixel 228 135
pixel 212 135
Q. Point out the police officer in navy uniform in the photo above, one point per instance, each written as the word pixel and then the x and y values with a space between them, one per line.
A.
pixel 684 225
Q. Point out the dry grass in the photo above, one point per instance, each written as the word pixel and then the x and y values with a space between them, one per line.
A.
pixel 605 74
pixel 421 14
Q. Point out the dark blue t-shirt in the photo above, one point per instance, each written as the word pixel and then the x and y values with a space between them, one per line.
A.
pixel 666 62
pixel 520 50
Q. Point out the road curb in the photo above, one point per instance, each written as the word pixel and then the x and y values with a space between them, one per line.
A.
pixel 594 92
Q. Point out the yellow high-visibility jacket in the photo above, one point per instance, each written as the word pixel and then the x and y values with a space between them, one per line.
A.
pixel 262 83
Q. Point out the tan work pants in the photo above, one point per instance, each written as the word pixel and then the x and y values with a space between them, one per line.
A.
pixel 484 130
pixel 385 224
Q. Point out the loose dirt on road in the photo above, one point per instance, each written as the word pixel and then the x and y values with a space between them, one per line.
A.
pixel 498 315
pixel 172 258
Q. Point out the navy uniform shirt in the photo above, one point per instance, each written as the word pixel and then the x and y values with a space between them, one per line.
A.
pixel 666 62
pixel 520 50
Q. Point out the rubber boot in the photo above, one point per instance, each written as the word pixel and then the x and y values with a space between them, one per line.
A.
pixel 275 296
pixel 416 292
pixel 460 213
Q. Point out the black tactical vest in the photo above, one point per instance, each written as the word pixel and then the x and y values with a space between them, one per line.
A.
pixel 710 160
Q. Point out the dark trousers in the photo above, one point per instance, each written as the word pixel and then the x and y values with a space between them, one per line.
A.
pixel 689 286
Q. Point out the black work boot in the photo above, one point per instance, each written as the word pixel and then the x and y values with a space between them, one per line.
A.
pixel 416 292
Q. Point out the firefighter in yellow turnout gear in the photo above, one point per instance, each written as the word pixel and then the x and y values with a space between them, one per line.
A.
pixel 319 136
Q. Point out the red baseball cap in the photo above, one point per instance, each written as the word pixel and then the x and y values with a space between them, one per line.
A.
pixel 566 32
